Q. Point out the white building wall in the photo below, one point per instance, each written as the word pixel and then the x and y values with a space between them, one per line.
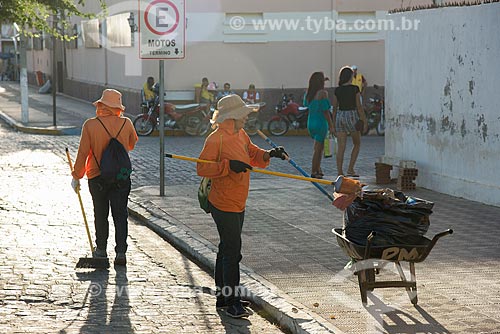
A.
pixel 442 99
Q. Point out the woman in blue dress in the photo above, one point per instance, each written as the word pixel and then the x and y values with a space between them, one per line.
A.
pixel 319 121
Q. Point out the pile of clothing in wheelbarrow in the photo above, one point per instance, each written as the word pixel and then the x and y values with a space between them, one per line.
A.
pixel 394 217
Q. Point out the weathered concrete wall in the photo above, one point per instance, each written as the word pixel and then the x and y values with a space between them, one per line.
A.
pixel 442 99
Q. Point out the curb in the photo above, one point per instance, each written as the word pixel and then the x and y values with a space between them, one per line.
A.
pixel 287 312
pixel 51 130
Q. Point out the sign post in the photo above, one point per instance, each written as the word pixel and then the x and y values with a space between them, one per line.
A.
pixel 162 31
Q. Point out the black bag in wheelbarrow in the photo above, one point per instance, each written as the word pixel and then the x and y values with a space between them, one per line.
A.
pixel 395 217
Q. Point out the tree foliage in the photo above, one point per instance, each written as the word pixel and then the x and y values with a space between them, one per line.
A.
pixel 34 16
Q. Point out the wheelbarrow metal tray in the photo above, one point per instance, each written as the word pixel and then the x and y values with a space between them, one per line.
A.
pixel 394 252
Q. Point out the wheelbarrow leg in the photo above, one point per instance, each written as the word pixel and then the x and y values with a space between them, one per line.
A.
pixel 414 300
pixel 362 286
pixel 411 287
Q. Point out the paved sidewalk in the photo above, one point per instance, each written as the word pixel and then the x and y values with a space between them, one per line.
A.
pixel 70 113
pixel 159 291
pixel 294 267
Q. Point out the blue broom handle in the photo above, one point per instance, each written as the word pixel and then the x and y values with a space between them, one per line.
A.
pixel 294 164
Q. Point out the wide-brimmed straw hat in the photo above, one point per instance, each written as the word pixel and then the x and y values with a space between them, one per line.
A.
pixel 231 107
pixel 112 98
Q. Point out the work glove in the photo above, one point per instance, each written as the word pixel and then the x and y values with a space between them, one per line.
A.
pixel 239 166
pixel 278 152
pixel 75 184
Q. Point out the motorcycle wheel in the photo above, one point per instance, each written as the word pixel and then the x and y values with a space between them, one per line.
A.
pixel 205 128
pixel 278 127
pixel 381 128
pixel 252 126
pixel 143 126
pixel 193 124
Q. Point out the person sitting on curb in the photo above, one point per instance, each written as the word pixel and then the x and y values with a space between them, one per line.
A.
pixel 251 96
pixel 227 91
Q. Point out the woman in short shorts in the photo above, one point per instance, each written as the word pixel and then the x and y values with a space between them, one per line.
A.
pixel 347 112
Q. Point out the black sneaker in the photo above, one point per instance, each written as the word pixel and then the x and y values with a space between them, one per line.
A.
pixel 237 311
pixel 220 304
pixel 99 253
pixel 120 259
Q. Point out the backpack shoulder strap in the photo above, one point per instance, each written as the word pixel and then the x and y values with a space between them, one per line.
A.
pixel 124 121
pixel 97 118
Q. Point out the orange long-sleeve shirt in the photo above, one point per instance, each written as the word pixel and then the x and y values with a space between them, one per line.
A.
pixel 229 190
pixel 95 139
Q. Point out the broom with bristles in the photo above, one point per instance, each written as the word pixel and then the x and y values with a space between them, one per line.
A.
pixel 87 262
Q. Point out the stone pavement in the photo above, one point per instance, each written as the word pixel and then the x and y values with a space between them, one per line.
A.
pixel 294 267
pixel 160 290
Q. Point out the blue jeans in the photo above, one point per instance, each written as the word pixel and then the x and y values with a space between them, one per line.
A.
pixel 227 265
pixel 104 196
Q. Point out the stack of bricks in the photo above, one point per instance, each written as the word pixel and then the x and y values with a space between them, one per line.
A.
pixel 382 173
pixel 406 178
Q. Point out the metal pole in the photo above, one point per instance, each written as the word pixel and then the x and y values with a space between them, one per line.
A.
pixel 54 72
pixel 162 130
pixel 23 81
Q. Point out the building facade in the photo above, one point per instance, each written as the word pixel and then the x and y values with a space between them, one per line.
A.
pixel 280 44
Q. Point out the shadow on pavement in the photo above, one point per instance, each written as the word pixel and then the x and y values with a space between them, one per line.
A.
pixel 230 324
pixel 120 319
pixel 392 320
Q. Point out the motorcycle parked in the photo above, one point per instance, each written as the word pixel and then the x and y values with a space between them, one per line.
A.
pixel 288 115
pixel 253 123
pixel 375 115
pixel 188 117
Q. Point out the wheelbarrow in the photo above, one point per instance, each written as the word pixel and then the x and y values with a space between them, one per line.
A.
pixel 388 253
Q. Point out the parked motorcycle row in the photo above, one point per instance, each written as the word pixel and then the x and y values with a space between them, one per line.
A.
pixel 194 119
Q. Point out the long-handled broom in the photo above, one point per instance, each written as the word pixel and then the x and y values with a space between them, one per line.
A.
pixel 341 184
pixel 87 262
pixel 294 164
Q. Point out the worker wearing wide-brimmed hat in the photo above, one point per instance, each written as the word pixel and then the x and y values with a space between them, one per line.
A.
pixel 96 134
pixel 235 154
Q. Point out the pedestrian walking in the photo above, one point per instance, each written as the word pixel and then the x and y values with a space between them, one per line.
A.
pixel 235 154
pixel 97 133
pixel 348 118
pixel 319 120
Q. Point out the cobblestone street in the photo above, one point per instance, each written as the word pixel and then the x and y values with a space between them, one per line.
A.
pixel 43 236
pixel 291 261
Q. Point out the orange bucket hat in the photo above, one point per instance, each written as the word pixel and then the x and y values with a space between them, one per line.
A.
pixel 112 98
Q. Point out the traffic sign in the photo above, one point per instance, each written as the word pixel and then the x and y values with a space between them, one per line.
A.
pixel 162 29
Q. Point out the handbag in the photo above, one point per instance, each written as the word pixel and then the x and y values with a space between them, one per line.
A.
pixel 328 146
pixel 205 185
